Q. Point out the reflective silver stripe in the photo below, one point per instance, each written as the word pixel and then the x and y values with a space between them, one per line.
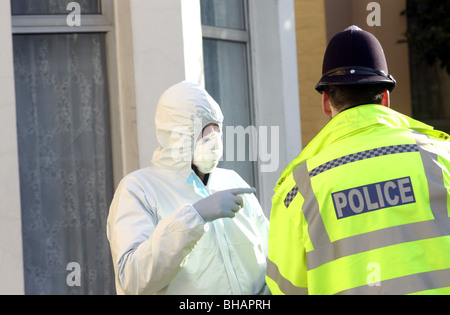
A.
pixel 437 191
pixel 326 251
pixel 316 228
pixel 283 284
pixel 373 240
pixel 405 285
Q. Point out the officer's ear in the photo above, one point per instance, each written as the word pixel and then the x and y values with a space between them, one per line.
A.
pixel 326 105
pixel 386 99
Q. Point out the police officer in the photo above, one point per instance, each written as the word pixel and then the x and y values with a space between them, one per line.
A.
pixel 364 209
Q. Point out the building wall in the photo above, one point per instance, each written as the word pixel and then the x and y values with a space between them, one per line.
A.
pixel 122 89
pixel 311 33
pixel 342 13
pixel 165 52
pixel 11 268
pixel 317 22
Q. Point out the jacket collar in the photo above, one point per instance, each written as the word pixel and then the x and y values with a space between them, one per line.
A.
pixel 355 119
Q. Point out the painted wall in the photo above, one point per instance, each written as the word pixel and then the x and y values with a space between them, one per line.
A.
pixel 318 21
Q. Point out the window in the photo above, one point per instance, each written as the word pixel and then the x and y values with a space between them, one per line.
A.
pixel 52 7
pixel 226 47
pixel 65 159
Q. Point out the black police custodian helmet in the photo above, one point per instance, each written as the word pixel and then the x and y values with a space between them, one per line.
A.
pixel 354 56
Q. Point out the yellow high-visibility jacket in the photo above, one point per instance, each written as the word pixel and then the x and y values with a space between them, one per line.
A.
pixel 364 209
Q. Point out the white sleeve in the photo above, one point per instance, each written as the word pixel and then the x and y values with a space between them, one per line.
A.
pixel 148 254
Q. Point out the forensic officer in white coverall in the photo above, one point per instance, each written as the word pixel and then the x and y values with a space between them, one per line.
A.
pixel 182 225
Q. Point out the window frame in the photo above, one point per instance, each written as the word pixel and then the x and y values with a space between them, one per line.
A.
pixel 243 37
pixel 274 74
pixel 122 103
pixel 48 24
pixel 57 23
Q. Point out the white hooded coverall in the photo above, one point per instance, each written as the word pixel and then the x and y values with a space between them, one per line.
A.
pixel 159 243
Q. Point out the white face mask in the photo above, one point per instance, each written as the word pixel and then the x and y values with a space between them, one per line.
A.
pixel 208 151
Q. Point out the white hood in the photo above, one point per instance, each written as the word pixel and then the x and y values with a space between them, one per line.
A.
pixel 182 112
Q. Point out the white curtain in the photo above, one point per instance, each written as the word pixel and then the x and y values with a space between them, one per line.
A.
pixel 220 13
pixel 226 79
pixel 65 162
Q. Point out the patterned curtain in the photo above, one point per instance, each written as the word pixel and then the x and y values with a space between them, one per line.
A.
pixel 65 162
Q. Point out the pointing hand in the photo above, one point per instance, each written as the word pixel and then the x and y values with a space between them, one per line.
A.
pixel 222 204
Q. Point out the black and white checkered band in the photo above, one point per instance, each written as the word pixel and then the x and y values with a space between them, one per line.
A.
pixel 290 196
pixel 393 149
